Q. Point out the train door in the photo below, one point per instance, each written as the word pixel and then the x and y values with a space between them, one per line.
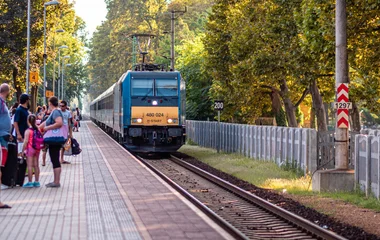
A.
pixel 97 111
pixel 114 96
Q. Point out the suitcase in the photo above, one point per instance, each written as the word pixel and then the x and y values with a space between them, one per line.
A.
pixel 21 171
pixel 10 169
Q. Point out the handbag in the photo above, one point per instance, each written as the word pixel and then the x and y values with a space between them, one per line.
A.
pixel 67 145
pixel 56 136
pixel 68 152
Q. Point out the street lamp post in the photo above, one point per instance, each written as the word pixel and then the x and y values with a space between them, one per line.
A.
pixel 63 89
pixel 55 58
pixel 63 74
pixel 28 49
pixel 45 56
pixel 59 65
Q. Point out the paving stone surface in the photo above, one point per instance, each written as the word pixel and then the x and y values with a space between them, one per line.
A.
pixel 87 206
pixel 105 194
pixel 107 214
pixel 164 214
pixel 47 213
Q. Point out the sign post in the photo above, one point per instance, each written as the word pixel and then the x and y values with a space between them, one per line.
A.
pixel 219 106
pixel 49 94
pixel 342 105
pixel 33 77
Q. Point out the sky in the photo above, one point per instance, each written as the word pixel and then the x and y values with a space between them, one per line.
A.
pixel 93 12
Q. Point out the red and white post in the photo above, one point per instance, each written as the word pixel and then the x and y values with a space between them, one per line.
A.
pixel 343 105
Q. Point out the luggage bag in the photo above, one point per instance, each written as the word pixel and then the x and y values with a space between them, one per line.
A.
pixel 21 171
pixel 13 173
pixel 10 169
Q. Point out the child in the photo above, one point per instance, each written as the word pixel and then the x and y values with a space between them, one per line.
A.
pixel 31 153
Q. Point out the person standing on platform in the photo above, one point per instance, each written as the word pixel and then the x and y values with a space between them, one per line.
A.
pixel 44 151
pixel 67 120
pixel 5 125
pixel 32 154
pixel 55 121
pixel 78 119
pixel 14 107
pixel 21 118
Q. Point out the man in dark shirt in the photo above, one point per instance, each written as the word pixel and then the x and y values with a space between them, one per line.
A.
pixel 21 118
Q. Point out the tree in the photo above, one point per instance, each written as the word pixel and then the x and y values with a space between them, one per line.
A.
pixel 13 27
pixel 198 80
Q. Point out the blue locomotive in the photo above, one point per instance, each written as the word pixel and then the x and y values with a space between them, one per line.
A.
pixel 144 111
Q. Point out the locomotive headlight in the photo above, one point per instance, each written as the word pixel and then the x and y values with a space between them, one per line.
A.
pixel 172 120
pixel 154 103
pixel 137 120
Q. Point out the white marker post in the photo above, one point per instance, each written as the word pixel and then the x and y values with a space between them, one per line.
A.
pixel 219 106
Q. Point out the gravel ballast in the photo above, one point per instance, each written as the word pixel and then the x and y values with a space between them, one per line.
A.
pixel 345 230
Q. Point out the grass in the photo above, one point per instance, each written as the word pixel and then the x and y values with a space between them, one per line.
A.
pixel 264 174
pixel 269 175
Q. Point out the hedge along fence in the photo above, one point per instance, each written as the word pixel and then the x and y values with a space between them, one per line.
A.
pixel 367 164
pixel 294 146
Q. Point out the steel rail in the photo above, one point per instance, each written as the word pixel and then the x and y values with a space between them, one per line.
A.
pixel 292 218
pixel 219 220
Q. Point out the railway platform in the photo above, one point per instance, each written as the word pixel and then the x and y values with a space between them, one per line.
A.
pixel 106 193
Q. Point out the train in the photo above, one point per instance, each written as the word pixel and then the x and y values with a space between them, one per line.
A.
pixel 144 110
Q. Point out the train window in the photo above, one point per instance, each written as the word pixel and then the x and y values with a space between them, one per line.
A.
pixel 166 87
pixel 142 87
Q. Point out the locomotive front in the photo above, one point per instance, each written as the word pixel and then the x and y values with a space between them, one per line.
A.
pixel 156 113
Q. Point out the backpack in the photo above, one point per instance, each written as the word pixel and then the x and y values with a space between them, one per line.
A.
pixel 38 140
pixel 75 148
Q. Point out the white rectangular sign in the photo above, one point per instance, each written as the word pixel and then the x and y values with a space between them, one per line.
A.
pixel 343 105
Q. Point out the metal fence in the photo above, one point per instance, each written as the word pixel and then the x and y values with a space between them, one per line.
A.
pixel 294 146
pixel 372 132
pixel 367 164
pixel 326 150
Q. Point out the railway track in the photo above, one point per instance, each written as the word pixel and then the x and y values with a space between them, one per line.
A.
pixel 242 214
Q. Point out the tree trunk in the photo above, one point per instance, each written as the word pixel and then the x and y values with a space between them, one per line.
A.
pixel 277 109
pixel 15 84
pixel 33 102
pixel 318 106
pixel 355 117
pixel 289 106
pixel 312 118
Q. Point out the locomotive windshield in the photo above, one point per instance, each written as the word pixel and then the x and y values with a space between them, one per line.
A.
pixel 155 87
pixel 142 87
pixel 166 88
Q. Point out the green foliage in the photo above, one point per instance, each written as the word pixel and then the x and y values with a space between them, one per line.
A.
pixel 111 47
pixel 281 118
pixel 300 116
pixel 198 80
pixel 13 27
pixel 244 51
